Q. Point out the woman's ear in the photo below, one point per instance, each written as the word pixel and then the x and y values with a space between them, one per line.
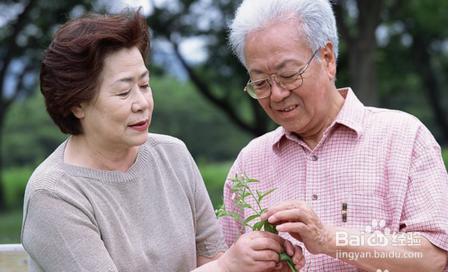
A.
pixel 78 111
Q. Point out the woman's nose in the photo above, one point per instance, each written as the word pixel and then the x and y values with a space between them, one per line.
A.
pixel 141 101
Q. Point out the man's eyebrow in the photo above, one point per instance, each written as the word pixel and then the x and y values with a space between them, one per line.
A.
pixel 130 79
pixel 278 67
pixel 284 64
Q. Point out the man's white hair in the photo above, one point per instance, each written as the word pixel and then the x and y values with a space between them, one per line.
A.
pixel 316 19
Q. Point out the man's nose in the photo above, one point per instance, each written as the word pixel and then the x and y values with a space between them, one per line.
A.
pixel 278 93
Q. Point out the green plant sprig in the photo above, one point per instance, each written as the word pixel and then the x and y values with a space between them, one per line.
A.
pixel 241 193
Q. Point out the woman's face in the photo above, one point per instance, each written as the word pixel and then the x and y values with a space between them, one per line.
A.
pixel 120 115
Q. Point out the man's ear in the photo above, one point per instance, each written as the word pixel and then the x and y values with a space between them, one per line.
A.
pixel 327 54
pixel 78 111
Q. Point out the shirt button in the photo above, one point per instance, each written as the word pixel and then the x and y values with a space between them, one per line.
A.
pixel 315 197
pixel 314 158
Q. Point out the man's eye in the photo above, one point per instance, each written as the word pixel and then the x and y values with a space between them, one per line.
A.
pixel 259 84
pixel 144 86
pixel 288 75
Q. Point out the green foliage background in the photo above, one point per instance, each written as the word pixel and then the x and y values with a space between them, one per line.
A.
pixel 178 109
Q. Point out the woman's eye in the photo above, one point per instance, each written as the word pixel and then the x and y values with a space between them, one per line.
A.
pixel 144 86
pixel 124 94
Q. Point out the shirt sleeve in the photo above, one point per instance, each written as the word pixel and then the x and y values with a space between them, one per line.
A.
pixel 209 238
pixel 425 207
pixel 231 229
pixel 59 236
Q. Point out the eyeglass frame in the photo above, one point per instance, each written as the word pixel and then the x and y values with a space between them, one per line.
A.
pixel 276 78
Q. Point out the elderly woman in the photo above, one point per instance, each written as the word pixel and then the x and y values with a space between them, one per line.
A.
pixel 113 197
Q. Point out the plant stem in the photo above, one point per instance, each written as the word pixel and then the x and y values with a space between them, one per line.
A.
pixel 255 199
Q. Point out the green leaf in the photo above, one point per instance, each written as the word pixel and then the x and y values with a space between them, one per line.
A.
pixel 220 212
pixel 236 217
pixel 286 258
pixel 250 218
pixel 258 225
pixel 269 227
pixel 268 192
pixel 246 194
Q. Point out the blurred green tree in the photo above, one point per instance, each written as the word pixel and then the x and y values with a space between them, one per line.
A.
pixel 31 135
pixel 393 48
pixel 26 30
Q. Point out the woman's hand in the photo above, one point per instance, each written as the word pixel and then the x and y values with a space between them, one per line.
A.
pixel 253 251
pixel 296 253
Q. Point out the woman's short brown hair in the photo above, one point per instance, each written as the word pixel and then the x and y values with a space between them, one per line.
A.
pixel 72 64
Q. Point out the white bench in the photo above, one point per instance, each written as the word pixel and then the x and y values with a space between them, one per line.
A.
pixel 13 258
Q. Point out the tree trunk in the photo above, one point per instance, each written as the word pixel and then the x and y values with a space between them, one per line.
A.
pixel 2 181
pixel 361 43
pixel 363 73
pixel 422 62
pixel 256 128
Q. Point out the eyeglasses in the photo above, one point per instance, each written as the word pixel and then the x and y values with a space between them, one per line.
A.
pixel 261 88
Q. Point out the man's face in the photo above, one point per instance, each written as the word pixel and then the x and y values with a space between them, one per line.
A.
pixel 279 49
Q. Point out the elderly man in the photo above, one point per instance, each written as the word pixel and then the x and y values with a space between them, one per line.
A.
pixel 359 187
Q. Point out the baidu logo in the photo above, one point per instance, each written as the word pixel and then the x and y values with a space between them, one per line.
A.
pixel 377 234
pixel 376 227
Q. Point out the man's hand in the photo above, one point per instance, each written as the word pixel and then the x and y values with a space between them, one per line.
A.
pixel 300 221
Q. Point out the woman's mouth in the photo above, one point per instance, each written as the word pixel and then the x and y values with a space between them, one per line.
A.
pixel 140 126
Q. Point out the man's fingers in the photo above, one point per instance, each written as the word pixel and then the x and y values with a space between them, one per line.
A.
pixel 292 215
pixel 297 228
pixel 285 205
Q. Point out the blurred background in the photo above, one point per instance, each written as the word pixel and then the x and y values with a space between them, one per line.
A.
pixel 393 53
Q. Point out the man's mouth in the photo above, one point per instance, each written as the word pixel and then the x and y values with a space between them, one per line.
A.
pixel 290 108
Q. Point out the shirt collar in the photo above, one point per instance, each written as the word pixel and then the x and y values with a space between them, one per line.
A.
pixel 351 116
pixel 352 112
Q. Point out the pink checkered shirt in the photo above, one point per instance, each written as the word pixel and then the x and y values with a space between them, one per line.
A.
pixel 384 164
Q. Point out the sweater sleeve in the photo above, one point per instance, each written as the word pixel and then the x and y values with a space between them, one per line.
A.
pixel 59 236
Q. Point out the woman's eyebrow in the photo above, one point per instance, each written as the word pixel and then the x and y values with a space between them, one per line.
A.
pixel 130 79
